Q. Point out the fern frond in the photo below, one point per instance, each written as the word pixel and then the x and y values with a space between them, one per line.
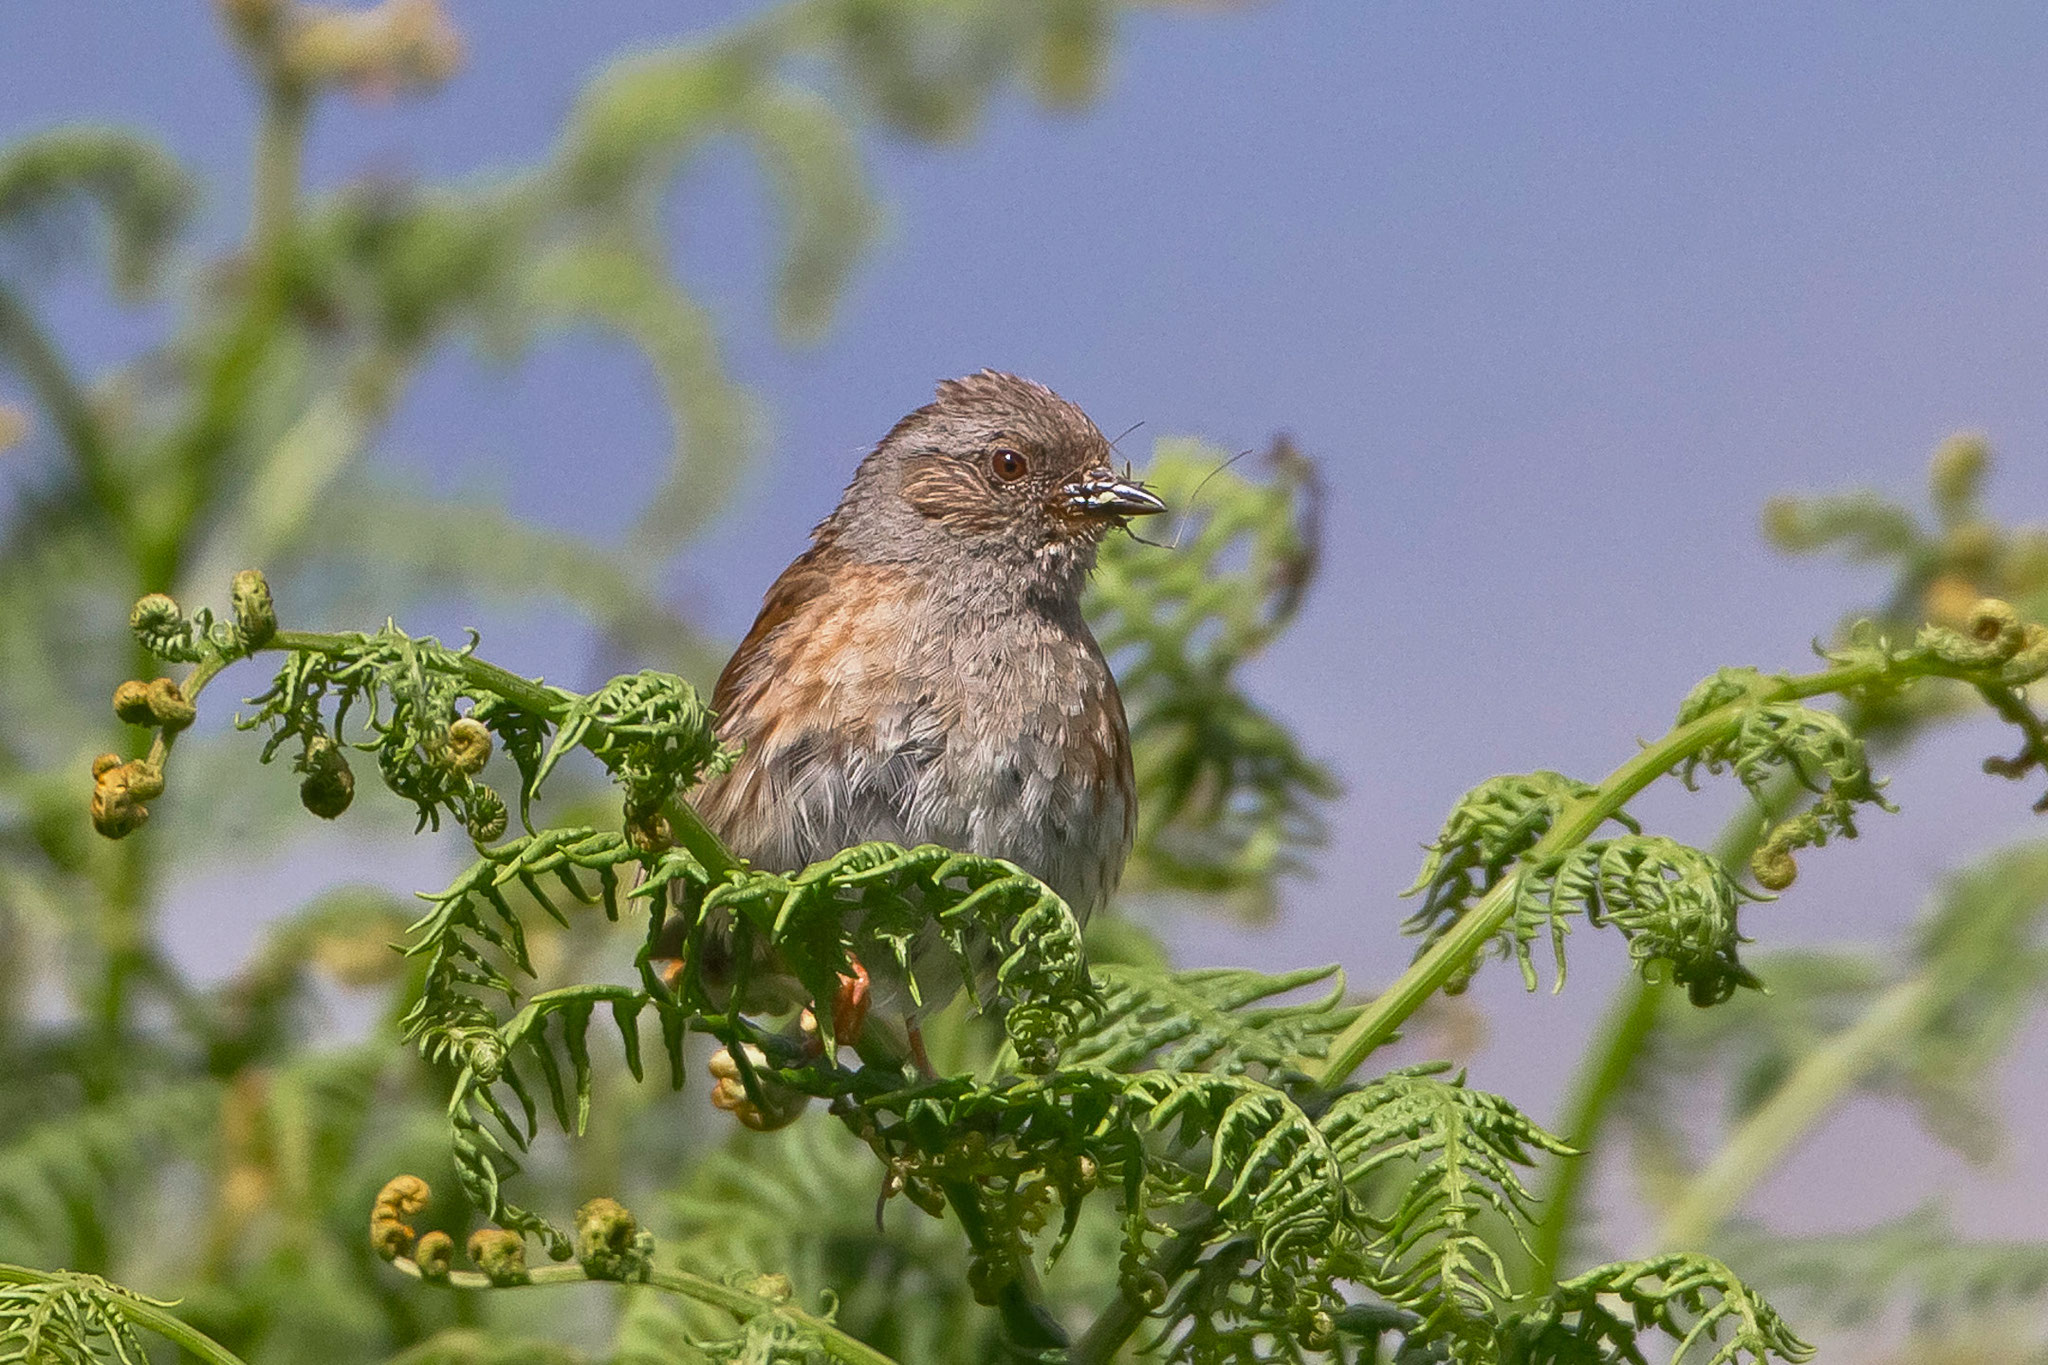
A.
pixel 142 195
pixel 1676 906
pixel 1688 1297
pixel 1484 837
pixel 1272 1172
pixel 1205 1020
pixel 68 1167
pixel 883 901
pixel 878 900
pixel 1814 748
pixel 65 1317
pixel 1453 1152
pixel 1915 1263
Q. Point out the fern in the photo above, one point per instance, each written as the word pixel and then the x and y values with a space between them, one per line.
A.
pixel 1486 834
pixel 69 1168
pixel 1204 1020
pixel 1676 907
pixel 873 895
pixel 1916 1263
pixel 1688 1297
pixel 1275 1195
pixel 142 198
pixel 1462 1147
pixel 66 1317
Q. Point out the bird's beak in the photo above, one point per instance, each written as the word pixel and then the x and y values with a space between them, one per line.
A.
pixel 1104 495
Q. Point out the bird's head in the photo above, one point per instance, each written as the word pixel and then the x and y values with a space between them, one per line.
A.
pixel 995 469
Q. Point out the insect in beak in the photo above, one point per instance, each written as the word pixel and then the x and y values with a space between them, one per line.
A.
pixel 1102 494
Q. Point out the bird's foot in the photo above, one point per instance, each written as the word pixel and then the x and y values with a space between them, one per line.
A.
pixel 917 1053
pixel 849 1011
pixel 850 1003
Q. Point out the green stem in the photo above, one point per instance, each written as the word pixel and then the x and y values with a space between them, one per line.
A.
pixel 280 146
pixel 193 462
pixel 1107 1334
pixel 144 1313
pixel 742 1305
pixel 1603 1075
pixel 1028 1324
pixel 1601 1080
pixel 1820 1081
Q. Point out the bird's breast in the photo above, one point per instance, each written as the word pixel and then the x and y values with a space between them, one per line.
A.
pixel 913 720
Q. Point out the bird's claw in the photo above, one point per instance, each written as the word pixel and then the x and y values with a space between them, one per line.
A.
pixel 850 1003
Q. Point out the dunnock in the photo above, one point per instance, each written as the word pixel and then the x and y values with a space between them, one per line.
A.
pixel 922 674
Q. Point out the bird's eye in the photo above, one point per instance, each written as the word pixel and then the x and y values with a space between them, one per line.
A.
pixel 1008 465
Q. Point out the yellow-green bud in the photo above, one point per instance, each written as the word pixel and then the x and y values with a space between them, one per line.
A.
pixel 1785 524
pixel 401 1198
pixel 168 705
pixel 434 1255
pixel 162 628
pixel 468 745
pixel 1957 469
pixel 145 779
pixel 500 1254
pixel 1774 867
pixel 609 1244
pixel 255 613
pixel 483 1052
pixel 390 47
pixel 390 1240
pixel 776 1288
pixel 118 793
pixel 131 703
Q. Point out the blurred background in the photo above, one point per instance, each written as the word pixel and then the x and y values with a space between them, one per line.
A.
pixel 1557 297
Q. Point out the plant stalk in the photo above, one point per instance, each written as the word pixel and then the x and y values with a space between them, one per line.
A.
pixel 1814 1087
pixel 745 1306
pixel 1623 1034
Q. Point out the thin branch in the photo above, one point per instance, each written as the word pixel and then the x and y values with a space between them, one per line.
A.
pixel 536 698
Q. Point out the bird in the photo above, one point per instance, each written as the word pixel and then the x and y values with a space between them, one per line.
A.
pixel 923 674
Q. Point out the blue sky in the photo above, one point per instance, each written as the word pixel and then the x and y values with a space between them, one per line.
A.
pixel 1559 294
